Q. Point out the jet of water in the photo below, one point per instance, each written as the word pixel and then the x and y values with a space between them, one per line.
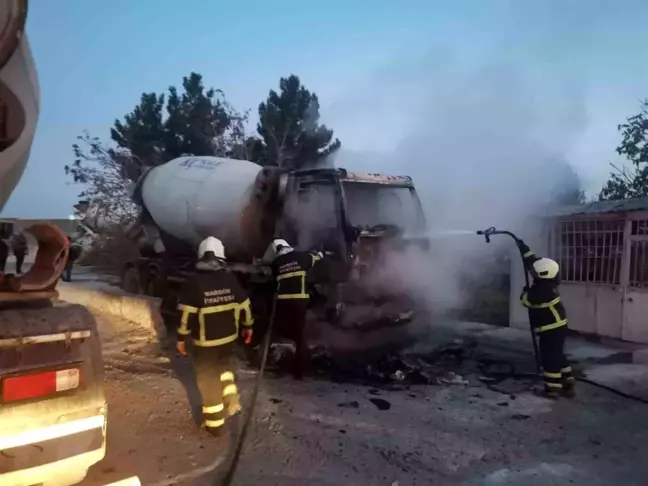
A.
pixel 450 232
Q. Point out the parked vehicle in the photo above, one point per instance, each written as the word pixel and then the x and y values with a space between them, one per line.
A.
pixel 52 402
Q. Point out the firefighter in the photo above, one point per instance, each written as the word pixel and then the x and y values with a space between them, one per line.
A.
pixel 213 305
pixel 74 252
pixel 290 268
pixel 549 320
pixel 4 253
pixel 19 247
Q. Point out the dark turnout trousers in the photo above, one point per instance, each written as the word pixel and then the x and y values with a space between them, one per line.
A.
pixel 290 322
pixel 215 380
pixel 557 372
pixel 4 254
pixel 20 259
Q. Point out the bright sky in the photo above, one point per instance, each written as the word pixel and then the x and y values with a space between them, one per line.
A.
pixel 95 57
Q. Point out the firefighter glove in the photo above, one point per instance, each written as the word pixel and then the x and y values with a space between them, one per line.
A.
pixel 524 248
pixel 247 336
pixel 182 348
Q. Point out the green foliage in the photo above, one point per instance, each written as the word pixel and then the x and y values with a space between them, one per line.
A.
pixel 142 133
pixel 198 121
pixel 635 130
pixel 106 175
pixel 625 183
pixel 291 135
pixel 629 182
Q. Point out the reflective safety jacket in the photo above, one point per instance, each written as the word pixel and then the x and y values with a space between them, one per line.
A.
pixel 290 270
pixel 213 305
pixel 546 311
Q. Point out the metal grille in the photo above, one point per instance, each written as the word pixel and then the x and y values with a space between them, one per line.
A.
pixel 589 251
pixel 638 277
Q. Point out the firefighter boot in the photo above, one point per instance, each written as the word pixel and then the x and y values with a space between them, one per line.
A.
pixel 568 382
pixel 546 392
pixel 569 390
pixel 215 431
pixel 233 405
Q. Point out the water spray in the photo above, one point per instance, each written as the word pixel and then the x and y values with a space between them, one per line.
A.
pixel 492 231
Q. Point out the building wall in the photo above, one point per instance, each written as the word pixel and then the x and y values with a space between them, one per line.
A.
pixel 604 266
pixel 594 308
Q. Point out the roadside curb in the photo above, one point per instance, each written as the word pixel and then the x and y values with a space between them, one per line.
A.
pixel 141 310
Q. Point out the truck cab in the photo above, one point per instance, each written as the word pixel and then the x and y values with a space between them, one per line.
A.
pixel 343 212
pixel 358 219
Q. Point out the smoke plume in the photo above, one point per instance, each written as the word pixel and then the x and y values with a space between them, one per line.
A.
pixel 486 146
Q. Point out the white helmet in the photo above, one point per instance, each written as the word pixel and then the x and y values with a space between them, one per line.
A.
pixel 281 247
pixel 546 268
pixel 211 244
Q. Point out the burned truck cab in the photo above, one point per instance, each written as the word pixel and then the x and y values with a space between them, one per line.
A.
pixel 357 219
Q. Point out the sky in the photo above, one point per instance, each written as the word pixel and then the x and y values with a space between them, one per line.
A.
pixel 581 67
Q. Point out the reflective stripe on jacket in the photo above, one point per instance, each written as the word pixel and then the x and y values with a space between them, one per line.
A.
pixel 544 316
pixel 202 337
pixel 291 270
pixel 211 303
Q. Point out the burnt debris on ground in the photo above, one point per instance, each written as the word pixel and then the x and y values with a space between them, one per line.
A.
pixel 444 365
pixel 456 363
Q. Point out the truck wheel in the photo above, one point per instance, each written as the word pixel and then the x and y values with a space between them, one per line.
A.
pixel 130 281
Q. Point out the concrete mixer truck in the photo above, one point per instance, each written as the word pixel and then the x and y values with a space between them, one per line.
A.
pixel 52 402
pixel 358 219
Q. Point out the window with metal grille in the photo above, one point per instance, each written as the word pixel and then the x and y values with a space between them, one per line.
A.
pixel 589 251
pixel 638 275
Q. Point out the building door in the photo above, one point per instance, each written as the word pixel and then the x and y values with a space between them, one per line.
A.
pixel 635 302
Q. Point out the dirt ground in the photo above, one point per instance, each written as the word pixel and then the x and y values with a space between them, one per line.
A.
pixel 325 434
pixel 150 428
pixel 320 433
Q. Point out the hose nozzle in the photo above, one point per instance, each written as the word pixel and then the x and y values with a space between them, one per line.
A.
pixel 487 233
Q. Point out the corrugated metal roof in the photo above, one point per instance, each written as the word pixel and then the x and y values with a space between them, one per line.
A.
pixel 372 177
pixel 598 207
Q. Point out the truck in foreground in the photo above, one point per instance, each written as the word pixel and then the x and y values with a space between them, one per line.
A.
pixel 52 402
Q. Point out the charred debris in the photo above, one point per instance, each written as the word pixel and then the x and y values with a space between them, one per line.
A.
pixel 385 367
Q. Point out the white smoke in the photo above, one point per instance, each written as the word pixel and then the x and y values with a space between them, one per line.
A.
pixel 486 146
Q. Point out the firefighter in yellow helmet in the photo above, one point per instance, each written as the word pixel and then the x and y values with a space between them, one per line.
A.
pixel 215 310
pixel 549 321
pixel 290 268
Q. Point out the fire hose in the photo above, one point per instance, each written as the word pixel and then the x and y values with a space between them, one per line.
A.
pixel 229 475
pixel 487 233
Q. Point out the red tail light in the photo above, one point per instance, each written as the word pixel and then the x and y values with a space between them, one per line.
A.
pixel 36 385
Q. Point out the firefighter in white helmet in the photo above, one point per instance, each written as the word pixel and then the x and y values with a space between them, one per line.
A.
pixel 549 321
pixel 215 310
pixel 290 268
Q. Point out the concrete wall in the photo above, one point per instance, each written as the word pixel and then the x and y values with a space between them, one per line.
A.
pixel 591 308
pixel 616 311
pixel 594 308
